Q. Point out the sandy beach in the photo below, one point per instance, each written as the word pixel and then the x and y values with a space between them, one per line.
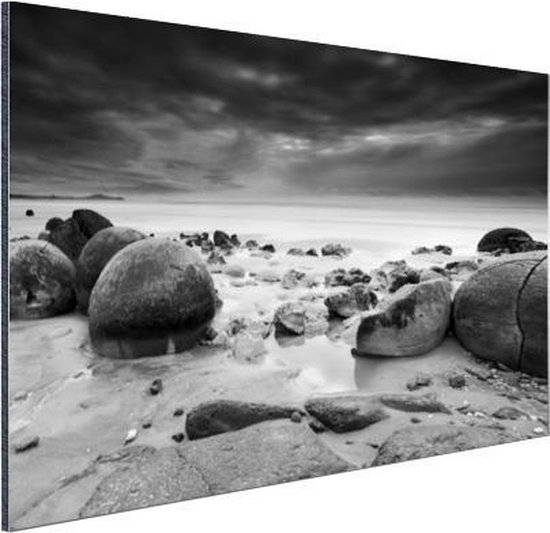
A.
pixel 83 405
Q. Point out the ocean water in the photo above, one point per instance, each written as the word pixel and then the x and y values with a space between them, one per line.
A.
pixel 397 224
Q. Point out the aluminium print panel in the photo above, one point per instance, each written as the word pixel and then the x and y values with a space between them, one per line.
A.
pixel 238 260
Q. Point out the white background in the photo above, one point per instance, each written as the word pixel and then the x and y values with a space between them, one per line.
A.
pixel 499 489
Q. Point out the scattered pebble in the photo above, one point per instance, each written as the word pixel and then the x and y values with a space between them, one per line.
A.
pixel 155 387
pixel 415 420
pixel 296 417
pixel 178 437
pixel 146 424
pixel 130 436
pixel 316 426
pixel 178 412
pixel 26 444
pixel 457 381
pixel 418 382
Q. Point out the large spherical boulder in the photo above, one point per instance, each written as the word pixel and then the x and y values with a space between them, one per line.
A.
pixel 501 239
pixel 412 321
pixel 90 222
pixel 154 297
pixel 500 312
pixel 96 254
pixel 42 280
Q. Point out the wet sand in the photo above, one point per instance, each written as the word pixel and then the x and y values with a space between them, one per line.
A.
pixel 82 405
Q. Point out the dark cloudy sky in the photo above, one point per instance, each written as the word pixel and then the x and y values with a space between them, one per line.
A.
pixel 115 105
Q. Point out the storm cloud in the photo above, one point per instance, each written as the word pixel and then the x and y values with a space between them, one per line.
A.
pixel 123 106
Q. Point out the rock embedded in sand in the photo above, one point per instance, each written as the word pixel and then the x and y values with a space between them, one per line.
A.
pixel 235 271
pixel 52 223
pixel 296 251
pixel 461 270
pixel 356 299
pixel 96 254
pixel 335 249
pixel 269 276
pixel 268 248
pixel 248 347
pixel 418 382
pixel 294 278
pixel 68 238
pixel 417 442
pixel 29 213
pixel 413 321
pixel 345 413
pixel 221 416
pixel 509 240
pixel 393 275
pixel 299 318
pixel 341 276
pixel 500 313
pixel 312 252
pixel 90 222
pixel 510 413
pixel 154 297
pixel 222 239
pixel 25 444
pixel 251 244
pixel 441 248
pixel 42 280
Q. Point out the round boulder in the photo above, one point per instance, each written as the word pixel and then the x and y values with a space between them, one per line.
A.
pixel 500 313
pixel 412 321
pixel 90 222
pixel 42 280
pixel 500 239
pixel 153 297
pixel 96 254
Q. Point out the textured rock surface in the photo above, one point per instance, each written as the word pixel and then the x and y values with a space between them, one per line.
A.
pixel 68 238
pixel 393 275
pixel 356 299
pixel 221 416
pixel 149 479
pixel 154 297
pixel 42 280
pixel 276 452
pixel 299 318
pixel 500 312
pixel 96 254
pixel 90 222
pixel 426 441
pixel 511 240
pixel 346 413
pixel 413 321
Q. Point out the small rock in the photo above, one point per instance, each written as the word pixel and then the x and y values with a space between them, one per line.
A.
pixel 178 412
pixel 268 248
pixel 269 276
pixel 146 424
pixel 29 213
pixel 26 444
pixel 130 436
pixel 457 381
pixel 178 437
pixel 538 430
pixel 235 271
pixel 415 420
pixel 312 252
pixel 316 426
pixel 509 413
pixel 155 387
pixel 418 382
pixel 335 249
pixel 251 244
pixel 299 318
pixel 296 417
pixel 296 251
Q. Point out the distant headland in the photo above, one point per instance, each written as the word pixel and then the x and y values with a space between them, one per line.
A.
pixel 64 197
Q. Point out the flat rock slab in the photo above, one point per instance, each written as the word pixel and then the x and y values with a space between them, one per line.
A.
pixel 261 455
pixel 351 412
pixel 146 480
pixel 418 442
pixel 221 416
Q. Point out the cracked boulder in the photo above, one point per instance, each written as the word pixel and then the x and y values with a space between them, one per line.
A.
pixel 96 254
pixel 417 442
pixel 154 297
pixel 42 280
pixel 509 240
pixel 413 321
pixel 500 313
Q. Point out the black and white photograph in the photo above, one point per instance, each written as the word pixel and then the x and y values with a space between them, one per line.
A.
pixel 238 261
